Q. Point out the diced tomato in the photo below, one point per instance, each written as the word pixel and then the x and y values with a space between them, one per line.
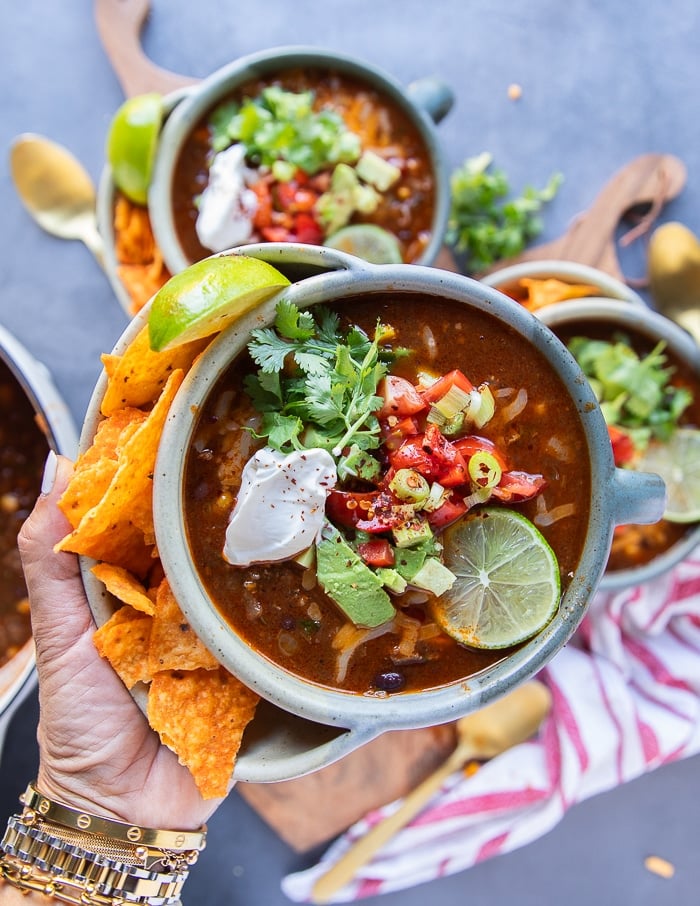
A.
pixel 447 512
pixel 377 552
pixel 400 397
pixel 276 234
pixel 284 193
pixel 473 443
pixel 386 512
pixel 441 386
pixel 433 456
pixel 304 200
pixel 394 432
pixel 263 212
pixel 307 230
pixel 622 445
pixel 345 508
pixel 515 486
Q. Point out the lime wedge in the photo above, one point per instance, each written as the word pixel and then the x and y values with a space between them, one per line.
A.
pixel 677 461
pixel 131 144
pixel 368 241
pixel 507 586
pixel 208 296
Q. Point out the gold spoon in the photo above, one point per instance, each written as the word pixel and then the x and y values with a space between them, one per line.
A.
pixel 674 275
pixel 56 190
pixel 481 735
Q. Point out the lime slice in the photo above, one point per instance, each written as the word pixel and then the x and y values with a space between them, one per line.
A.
pixel 207 296
pixel 507 586
pixel 131 144
pixel 368 241
pixel 677 461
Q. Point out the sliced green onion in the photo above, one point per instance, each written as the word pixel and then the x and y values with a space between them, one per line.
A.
pixel 485 412
pixel 410 485
pixel 484 470
pixel 435 498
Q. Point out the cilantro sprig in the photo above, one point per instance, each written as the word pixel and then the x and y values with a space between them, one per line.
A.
pixel 635 392
pixel 314 386
pixel 485 224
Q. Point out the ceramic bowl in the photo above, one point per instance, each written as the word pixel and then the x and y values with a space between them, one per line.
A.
pixel 616 496
pixel 506 279
pixel 612 318
pixel 18 675
pixel 424 102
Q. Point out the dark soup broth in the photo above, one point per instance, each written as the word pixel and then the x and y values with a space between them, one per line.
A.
pixel 637 545
pixel 23 450
pixel 285 204
pixel 278 608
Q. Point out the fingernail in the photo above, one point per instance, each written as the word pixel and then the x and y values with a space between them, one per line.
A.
pixel 50 468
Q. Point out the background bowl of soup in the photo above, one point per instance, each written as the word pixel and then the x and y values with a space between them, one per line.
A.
pixel 298 144
pixel 638 553
pixel 33 418
pixel 441 311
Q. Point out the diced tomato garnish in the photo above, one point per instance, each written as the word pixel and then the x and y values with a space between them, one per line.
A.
pixel 400 397
pixel 284 193
pixel 454 378
pixel 377 552
pixel 304 200
pixel 276 234
pixel 473 443
pixel 394 432
pixel 433 456
pixel 412 455
pixel 622 445
pixel 386 512
pixel 263 212
pixel 344 508
pixel 515 486
pixel 447 512
pixel 307 230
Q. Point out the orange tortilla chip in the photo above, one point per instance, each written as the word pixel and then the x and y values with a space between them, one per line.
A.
pixel 123 640
pixel 125 587
pixel 115 529
pixel 201 716
pixel 550 290
pixel 174 644
pixel 139 376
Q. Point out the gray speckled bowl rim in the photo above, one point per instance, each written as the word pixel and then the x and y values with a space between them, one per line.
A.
pixel 614 497
pixel 201 97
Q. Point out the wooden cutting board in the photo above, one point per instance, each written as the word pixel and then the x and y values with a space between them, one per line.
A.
pixel 312 810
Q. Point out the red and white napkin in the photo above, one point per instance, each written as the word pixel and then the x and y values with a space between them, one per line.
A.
pixel 626 699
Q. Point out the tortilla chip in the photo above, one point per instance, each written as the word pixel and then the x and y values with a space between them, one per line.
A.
pixel 123 640
pixel 114 529
pixel 174 644
pixel 125 587
pixel 201 716
pixel 139 376
pixel 550 290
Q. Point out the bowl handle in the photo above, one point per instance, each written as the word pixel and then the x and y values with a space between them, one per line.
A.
pixel 638 497
pixel 433 96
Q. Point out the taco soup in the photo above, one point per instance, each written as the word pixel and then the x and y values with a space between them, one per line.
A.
pixel 456 419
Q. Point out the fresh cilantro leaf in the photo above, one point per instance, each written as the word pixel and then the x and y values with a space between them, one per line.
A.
pixel 292 323
pixel 484 224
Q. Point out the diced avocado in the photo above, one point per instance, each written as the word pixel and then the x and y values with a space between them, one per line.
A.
pixel 392 580
pixel 336 206
pixel 411 533
pixel 352 585
pixel 377 171
pixel 434 576
pixel 366 199
pixel 360 464
pixel 408 562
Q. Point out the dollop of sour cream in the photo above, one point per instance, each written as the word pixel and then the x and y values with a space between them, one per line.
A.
pixel 227 205
pixel 280 507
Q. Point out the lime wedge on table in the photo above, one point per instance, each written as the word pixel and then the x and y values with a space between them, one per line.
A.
pixel 208 296
pixel 677 461
pixel 507 586
pixel 368 241
pixel 131 144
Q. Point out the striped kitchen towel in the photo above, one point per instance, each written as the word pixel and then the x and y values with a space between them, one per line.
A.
pixel 626 699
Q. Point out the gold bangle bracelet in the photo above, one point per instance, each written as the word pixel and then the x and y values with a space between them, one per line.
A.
pixel 57 813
